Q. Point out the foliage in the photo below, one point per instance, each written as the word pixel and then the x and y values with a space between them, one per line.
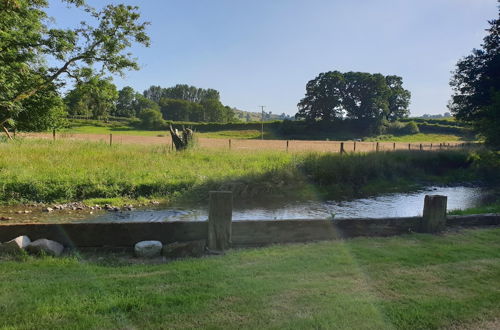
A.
pixel 151 119
pixel 180 110
pixel 400 128
pixel 414 281
pixel 125 103
pixel 188 103
pixel 181 92
pixel 27 44
pixel 93 97
pixel 364 97
pixel 476 86
pixel 44 110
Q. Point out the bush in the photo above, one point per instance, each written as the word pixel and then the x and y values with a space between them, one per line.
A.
pixel 400 128
pixel 151 119
pixel 411 128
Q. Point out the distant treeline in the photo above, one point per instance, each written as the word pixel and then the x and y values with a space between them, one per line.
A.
pixel 300 129
pixel 98 98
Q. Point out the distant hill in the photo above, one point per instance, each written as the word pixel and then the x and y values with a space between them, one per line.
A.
pixel 247 116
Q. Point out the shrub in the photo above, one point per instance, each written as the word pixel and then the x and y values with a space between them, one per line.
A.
pixel 151 119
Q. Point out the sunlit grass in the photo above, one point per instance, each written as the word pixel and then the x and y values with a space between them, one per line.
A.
pixel 414 281
pixel 65 170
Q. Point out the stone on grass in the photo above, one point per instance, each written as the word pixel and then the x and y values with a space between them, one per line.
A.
pixel 184 249
pixel 15 246
pixel 45 246
pixel 148 249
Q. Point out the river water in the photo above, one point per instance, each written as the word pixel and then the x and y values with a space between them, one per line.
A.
pixel 387 205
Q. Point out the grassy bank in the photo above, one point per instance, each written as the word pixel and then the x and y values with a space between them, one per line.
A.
pixel 490 208
pixel 414 281
pixel 46 171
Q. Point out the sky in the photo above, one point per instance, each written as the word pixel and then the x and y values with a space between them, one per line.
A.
pixel 263 52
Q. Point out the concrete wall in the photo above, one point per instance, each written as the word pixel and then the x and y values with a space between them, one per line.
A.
pixel 244 233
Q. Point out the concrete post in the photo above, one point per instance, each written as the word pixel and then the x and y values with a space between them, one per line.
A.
pixel 434 218
pixel 219 220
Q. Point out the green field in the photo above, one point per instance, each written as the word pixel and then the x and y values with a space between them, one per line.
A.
pixel 96 127
pixel 65 170
pixel 415 281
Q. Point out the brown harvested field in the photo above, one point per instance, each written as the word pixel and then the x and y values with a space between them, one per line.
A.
pixel 245 144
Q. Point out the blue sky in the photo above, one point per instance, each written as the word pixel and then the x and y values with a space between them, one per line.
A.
pixel 263 52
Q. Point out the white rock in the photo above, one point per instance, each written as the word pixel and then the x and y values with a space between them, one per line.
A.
pixel 148 249
pixel 47 246
pixel 15 246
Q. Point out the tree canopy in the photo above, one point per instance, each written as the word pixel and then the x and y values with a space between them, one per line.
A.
pixel 95 97
pixel 181 92
pixel 28 45
pixel 476 86
pixel 361 96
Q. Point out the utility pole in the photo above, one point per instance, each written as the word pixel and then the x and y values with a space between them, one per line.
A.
pixel 262 123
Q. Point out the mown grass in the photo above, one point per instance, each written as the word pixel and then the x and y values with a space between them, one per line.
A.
pixel 415 281
pixel 46 171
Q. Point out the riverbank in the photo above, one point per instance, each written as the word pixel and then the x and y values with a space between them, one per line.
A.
pixel 416 281
pixel 66 171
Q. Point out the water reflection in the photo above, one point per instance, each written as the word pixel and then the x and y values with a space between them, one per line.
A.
pixel 390 205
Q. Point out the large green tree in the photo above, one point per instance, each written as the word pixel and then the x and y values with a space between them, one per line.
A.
pixel 367 98
pixel 476 86
pixel 125 103
pixel 27 43
pixel 95 97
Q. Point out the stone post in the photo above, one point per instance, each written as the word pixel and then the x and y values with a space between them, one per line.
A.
pixel 219 220
pixel 434 218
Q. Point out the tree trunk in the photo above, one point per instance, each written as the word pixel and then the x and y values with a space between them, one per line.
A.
pixel 6 132
pixel 182 140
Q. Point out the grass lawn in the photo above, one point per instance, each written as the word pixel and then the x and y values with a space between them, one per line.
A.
pixel 415 281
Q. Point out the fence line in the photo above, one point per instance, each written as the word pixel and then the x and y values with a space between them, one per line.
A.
pixel 278 145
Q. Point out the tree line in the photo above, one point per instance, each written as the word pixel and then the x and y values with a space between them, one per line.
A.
pixel 37 59
pixel 98 98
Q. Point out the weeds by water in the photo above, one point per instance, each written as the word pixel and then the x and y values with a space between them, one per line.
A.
pixel 47 171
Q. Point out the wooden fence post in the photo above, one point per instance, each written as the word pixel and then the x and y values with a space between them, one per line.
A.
pixel 342 148
pixel 229 144
pixel 219 220
pixel 421 147
pixel 431 146
pixel 287 145
pixel 409 146
pixel 54 134
pixel 434 217
pixel 394 146
pixel 354 146
pixel 110 139
pixel 376 148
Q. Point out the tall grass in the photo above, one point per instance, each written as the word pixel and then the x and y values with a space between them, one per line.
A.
pixel 46 171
